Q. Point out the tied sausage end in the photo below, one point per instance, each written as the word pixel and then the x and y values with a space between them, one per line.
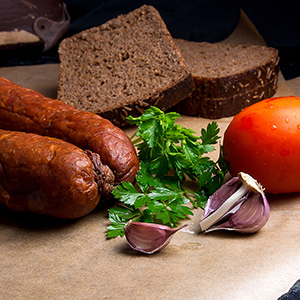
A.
pixel 103 174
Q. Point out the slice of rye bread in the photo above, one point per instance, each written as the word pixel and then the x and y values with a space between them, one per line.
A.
pixel 123 67
pixel 227 77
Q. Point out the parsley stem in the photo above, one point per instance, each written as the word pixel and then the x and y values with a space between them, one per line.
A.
pixel 138 218
pixel 136 141
pixel 187 194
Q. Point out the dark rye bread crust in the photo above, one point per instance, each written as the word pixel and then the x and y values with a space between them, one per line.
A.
pixel 248 74
pixel 123 67
pixel 225 107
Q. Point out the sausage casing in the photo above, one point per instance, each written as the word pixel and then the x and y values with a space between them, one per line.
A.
pixel 26 110
pixel 46 175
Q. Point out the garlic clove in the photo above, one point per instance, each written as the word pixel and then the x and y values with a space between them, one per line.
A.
pixel 149 237
pixel 249 218
pixel 239 205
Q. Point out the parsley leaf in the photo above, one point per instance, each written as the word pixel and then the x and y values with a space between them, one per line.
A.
pixel 119 216
pixel 169 154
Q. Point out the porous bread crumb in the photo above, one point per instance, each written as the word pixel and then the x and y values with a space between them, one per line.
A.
pixel 129 59
pixel 220 60
pixel 227 77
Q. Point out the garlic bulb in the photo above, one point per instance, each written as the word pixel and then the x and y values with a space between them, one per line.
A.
pixel 239 205
pixel 148 237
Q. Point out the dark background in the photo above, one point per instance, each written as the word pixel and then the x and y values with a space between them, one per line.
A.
pixel 197 20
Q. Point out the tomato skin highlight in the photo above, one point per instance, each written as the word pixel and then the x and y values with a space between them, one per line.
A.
pixel 264 141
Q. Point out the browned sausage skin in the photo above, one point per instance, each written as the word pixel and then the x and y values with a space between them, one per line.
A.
pixel 48 176
pixel 25 110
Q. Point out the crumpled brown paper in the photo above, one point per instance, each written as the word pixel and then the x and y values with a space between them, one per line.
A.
pixel 45 258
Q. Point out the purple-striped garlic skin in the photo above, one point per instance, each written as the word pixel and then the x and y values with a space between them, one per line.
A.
pixel 243 203
pixel 149 237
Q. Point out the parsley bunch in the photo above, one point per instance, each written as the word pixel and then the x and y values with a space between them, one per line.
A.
pixel 169 155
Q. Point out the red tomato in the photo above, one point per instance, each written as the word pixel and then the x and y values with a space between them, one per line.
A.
pixel 264 141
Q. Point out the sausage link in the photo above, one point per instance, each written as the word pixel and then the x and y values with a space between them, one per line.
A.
pixel 48 176
pixel 22 109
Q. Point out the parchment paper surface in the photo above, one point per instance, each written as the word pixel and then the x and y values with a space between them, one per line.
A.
pixel 45 258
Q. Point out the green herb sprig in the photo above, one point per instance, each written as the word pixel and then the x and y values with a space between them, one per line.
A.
pixel 169 155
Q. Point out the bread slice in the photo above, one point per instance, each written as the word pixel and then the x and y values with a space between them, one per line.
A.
pixel 123 66
pixel 227 77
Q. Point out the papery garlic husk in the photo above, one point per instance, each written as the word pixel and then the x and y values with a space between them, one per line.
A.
pixel 149 237
pixel 238 205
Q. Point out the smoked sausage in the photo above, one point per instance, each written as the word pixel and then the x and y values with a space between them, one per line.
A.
pixel 49 176
pixel 22 109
